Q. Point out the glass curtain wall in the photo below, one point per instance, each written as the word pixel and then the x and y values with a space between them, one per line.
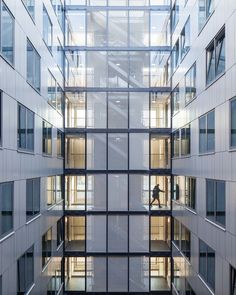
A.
pixel 117 163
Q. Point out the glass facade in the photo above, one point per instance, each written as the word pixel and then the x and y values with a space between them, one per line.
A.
pixel 117 154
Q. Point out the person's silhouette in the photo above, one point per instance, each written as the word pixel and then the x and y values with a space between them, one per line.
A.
pixel 156 195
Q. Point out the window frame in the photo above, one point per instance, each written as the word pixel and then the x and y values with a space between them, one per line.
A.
pixel 2 3
pixel 47 237
pixel 175 94
pixel 46 126
pixel 32 16
pixel 48 31
pixel 3 234
pixel 207 15
pixel 206 150
pixel 187 138
pixel 36 55
pixel 26 149
pixel 185 49
pixel 35 182
pixel 1 117
pixel 25 274
pixel 205 254
pixel 212 47
pixel 232 100
pixel 194 73
pixel 215 184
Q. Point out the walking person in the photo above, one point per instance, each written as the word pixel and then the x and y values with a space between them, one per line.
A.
pixel 156 195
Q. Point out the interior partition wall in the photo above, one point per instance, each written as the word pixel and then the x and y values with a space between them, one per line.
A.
pixel 117 147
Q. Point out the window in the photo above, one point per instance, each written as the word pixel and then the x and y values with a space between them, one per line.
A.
pixel 190 192
pixel 58 8
pixel 205 10
pixel 60 55
pixel 47 138
pixel 29 5
pixel 6 205
pixel 33 66
pixel 207 133
pixel 175 14
pixel 59 143
pixel 47 29
pixel 185 141
pixel 175 56
pixel 233 123
pixel 190 84
pixel 185 38
pixel 7 34
pixel 55 93
pixel 59 231
pixel 46 247
pixel 182 238
pixel 176 99
pixel 215 57
pixel 185 242
pixel 232 280
pixel 54 190
pixel 32 197
pixel 215 201
pixel 25 138
pixel 207 264
pixel 1 121
pixel 176 139
pixel 25 271
pixel 52 86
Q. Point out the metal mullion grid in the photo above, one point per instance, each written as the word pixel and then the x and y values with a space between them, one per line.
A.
pixel 107 184
pixel 128 174
pixel 64 145
pixel 171 161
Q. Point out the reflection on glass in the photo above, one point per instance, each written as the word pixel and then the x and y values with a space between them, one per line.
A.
pixel 96 233
pixel 75 192
pixel 118 110
pixel 139 233
pixel 160 152
pixel 139 151
pixel 96 110
pixel 75 274
pixel 75 110
pixel 118 27
pixel 160 110
pixel 139 27
pixel 138 192
pixel 117 233
pixel 159 69
pixel 96 69
pixel 96 28
pixel 139 110
pixel 75 233
pixel 96 274
pixel 117 273
pixel 139 69
pixel 117 192
pixel 75 28
pixel 139 274
pixel 160 273
pixel 96 192
pixel 160 28
pixel 160 233
pixel 118 69
pixel 117 151
pixel 75 151
pixel 96 151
